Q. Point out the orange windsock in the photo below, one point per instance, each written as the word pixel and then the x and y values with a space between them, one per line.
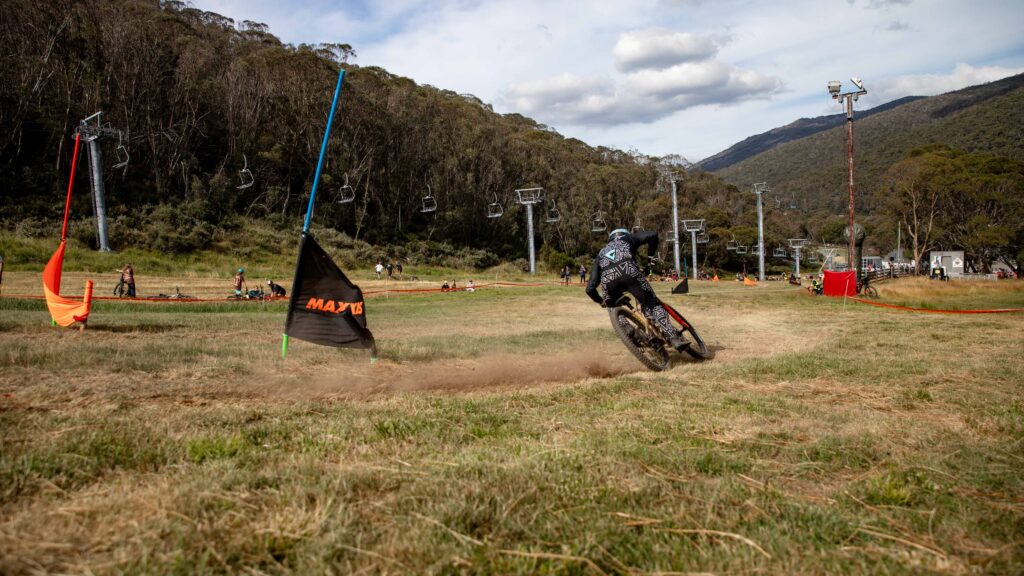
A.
pixel 63 310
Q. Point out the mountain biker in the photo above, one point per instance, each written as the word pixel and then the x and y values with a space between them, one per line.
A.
pixel 616 269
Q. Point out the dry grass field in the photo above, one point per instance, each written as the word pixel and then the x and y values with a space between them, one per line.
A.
pixel 507 431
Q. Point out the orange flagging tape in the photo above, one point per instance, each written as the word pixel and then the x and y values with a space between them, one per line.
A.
pixel 930 311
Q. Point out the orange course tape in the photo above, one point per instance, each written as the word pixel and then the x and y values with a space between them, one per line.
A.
pixel 931 311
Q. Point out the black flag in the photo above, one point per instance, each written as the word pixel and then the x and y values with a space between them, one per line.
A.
pixel 325 307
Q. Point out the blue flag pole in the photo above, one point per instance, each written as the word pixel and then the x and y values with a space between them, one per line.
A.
pixel 312 193
pixel 323 152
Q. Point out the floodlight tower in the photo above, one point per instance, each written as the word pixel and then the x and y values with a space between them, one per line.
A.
pixel 848 98
pixel 92 129
pixel 760 188
pixel 693 227
pixel 671 176
pixel 797 244
pixel 528 197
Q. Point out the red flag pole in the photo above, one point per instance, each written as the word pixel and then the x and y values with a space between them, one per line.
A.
pixel 71 185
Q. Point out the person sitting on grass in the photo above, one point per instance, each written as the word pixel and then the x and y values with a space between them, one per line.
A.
pixel 276 290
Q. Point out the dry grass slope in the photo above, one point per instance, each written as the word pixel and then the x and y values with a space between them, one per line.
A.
pixel 506 431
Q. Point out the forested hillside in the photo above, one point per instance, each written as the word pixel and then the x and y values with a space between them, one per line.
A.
pixel 197 94
pixel 801 128
pixel 985 119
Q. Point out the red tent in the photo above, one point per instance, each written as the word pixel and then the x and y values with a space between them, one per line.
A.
pixel 840 283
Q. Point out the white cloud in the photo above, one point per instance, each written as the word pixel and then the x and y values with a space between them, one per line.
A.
pixel 607 72
pixel 962 76
pixel 658 48
pixel 668 72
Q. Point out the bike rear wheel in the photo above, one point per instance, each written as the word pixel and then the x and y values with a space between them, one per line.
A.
pixel 633 334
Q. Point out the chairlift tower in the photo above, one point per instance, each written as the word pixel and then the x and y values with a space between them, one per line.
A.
pixel 797 244
pixel 760 188
pixel 671 176
pixel 528 197
pixel 93 129
pixel 693 227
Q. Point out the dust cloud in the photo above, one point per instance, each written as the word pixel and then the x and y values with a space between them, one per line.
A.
pixel 490 372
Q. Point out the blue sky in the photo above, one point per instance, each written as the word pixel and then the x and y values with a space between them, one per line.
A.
pixel 689 77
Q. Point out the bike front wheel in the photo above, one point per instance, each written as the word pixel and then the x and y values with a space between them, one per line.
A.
pixel 697 348
pixel 633 333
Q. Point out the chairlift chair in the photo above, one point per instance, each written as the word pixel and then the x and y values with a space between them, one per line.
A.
pixel 346 193
pixel 599 224
pixel 121 152
pixel 428 203
pixel 245 175
pixel 553 214
pixel 494 209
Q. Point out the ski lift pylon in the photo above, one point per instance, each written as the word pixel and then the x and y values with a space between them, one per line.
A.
pixel 428 204
pixel 346 193
pixel 494 209
pixel 245 175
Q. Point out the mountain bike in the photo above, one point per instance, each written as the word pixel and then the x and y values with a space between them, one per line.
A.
pixel 864 288
pixel 645 340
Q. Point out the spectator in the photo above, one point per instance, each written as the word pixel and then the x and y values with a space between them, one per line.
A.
pixel 378 269
pixel 276 290
pixel 128 277
pixel 239 282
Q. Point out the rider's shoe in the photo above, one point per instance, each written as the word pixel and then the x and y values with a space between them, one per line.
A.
pixel 677 343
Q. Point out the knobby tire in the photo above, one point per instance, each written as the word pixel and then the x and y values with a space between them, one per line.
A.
pixel 697 348
pixel 622 319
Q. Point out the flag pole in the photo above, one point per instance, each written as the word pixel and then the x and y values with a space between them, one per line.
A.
pixel 312 194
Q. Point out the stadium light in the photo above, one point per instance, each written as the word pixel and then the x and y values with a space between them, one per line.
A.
pixel 848 98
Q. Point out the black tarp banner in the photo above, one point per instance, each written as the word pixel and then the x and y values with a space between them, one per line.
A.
pixel 325 308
